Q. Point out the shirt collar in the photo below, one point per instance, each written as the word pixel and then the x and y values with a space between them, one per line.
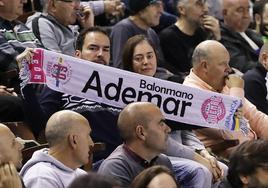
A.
pixel 144 163
pixel 193 76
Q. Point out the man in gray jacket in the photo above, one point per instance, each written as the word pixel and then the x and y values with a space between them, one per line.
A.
pixel 68 136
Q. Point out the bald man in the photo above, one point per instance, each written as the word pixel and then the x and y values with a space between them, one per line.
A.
pixel 143 129
pixel 211 71
pixel 68 136
pixel 242 43
pixel 256 82
pixel 10 158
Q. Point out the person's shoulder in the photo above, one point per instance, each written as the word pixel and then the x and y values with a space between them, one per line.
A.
pixel 258 73
pixel 169 30
pixel 122 23
pixel 39 170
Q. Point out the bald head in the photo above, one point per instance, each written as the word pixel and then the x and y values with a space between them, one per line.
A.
pixel 228 3
pixel 137 113
pixel 211 63
pixel 207 50
pixel 61 123
pixel 3 131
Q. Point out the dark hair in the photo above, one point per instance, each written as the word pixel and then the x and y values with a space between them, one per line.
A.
pixel 93 180
pixel 82 35
pixel 145 177
pixel 245 160
pixel 128 50
pixel 259 6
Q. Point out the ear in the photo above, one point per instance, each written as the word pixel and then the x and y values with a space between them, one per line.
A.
pixel 244 179
pixel 78 53
pixel 264 59
pixel 180 9
pixel 204 65
pixel 224 12
pixel 52 5
pixel 72 140
pixel 257 18
pixel 140 132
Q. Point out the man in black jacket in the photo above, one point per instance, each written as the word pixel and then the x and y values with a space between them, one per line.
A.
pixel 242 43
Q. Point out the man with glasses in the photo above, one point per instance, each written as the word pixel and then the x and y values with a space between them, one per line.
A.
pixel 53 28
pixel 193 26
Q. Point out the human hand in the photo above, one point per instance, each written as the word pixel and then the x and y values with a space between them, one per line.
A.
pixel 7 91
pixel 216 170
pixel 26 55
pixel 234 80
pixel 212 24
pixel 114 7
pixel 210 163
pixel 9 177
pixel 86 19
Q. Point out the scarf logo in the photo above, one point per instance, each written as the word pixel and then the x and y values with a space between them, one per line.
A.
pixel 59 70
pixel 213 109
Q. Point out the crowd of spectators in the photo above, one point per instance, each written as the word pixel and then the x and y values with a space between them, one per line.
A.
pixel 213 45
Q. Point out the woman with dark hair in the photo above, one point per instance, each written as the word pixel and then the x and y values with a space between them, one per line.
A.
pixel 139 56
pixel 93 180
pixel 155 177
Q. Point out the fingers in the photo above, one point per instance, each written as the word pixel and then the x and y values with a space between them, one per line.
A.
pixel 234 80
pixel 6 91
pixel 25 56
pixel 9 176
pixel 87 18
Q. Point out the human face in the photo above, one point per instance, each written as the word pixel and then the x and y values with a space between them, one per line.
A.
pixel 156 128
pixel 264 21
pixel 218 68
pixel 10 148
pixel 84 142
pixel 236 15
pixel 65 11
pixel 11 9
pixel 144 59
pixel 151 14
pixel 96 48
pixel 193 11
pixel 162 180
pixel 258 179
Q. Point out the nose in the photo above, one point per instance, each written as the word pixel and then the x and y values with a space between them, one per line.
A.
pixel 145 61
pixel 167 129
pixel 206 8
pixel 228 69
pixel 100 52
pixel 20 145
pixel 90 142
